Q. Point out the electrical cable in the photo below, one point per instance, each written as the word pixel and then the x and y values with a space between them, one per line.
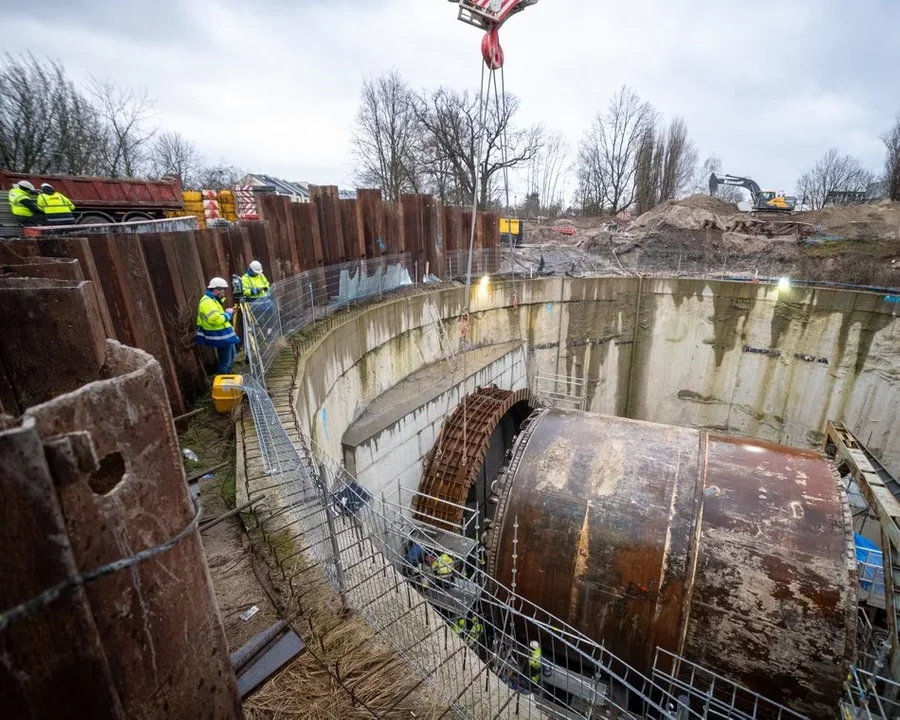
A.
pixel 29 607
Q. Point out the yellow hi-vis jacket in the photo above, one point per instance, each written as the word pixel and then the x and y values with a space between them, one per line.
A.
pixel 214 324
pixel 255 285
pixel 16 196
pixel 443 565
pixel 55 204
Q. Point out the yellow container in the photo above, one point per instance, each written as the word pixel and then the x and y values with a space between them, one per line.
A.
pixel 192 196
pixel 224 396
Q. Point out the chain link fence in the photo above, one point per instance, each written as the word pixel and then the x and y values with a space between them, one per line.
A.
pixel 298 301
pixel 362 546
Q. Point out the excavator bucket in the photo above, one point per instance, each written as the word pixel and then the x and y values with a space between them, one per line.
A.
pixel 713 184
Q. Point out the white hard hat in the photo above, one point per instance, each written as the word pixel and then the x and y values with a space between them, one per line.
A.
pixel 256 266
pixel 24 184
pixel 217 283
pixel 533 645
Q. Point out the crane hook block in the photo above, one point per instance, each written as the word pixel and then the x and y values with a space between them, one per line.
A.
pixel 491 50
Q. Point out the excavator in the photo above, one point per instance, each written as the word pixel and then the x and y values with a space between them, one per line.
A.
pixel 762 200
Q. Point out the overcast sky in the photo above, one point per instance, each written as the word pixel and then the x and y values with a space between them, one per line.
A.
pixel 273 85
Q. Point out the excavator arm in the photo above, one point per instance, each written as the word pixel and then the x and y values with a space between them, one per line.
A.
pixel 743 182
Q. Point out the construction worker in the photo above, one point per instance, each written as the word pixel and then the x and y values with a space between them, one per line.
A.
pixel 460 627
pixel 214 325
pixel 442 567
pixel 534 663
pixel 24 205
pixel 474 633
pixel 57 207
pixel 255 288
pixel 254 282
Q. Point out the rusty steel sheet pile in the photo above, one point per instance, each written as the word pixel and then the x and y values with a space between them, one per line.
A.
pixel 733 553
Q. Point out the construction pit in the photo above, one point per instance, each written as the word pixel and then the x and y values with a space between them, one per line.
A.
pixel 642 458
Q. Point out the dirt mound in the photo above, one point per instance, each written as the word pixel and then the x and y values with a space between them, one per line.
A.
pixel 697 212
pixel 857 222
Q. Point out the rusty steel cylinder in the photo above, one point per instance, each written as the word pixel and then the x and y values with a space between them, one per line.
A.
pixel 735 554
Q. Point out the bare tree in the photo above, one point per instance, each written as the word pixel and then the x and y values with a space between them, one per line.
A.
pixel 174 154
pixel 666 165
pixel 700 181
pixel 544 173
pixel 46 126
pixel 834 172
pixel 609 150
pixel 126 115
pixel 220 176
pixel 892 162
pixel 387 137
pixel 453 138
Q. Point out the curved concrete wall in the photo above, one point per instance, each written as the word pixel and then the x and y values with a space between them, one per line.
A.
pixel 735 357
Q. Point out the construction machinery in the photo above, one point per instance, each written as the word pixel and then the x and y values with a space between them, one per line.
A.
pixel 761 200
pixel 510 231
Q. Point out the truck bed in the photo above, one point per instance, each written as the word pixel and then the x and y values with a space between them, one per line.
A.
pixel 106 193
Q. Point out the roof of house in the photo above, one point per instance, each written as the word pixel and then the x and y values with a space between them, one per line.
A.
pixel 282 187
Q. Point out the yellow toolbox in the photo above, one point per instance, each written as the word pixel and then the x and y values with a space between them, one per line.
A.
pixel 225 396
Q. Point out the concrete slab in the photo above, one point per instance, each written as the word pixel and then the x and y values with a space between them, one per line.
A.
pixel 419 389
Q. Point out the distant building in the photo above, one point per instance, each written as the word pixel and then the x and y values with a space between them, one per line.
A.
pixel 347 194
pixel 296 191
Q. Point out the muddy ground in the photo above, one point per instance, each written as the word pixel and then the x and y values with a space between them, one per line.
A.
pixel 702 236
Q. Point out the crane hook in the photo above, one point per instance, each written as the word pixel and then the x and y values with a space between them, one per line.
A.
pixel 491 50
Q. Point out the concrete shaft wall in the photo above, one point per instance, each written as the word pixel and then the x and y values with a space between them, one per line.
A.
pixel 736 357
pixel 392 458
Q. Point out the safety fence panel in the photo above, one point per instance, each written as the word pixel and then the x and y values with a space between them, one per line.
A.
pixel 295 302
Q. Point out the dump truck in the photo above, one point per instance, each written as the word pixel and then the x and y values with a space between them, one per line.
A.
pixel 108 200
pixel 100 201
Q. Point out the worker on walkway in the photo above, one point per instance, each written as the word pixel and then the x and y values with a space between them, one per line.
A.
pixel 214 325
pixel 474 633
pixel 255 289
pixel 57 208
pixel 254 282
pixel 23 204
pixel 534 663
pixel 442 567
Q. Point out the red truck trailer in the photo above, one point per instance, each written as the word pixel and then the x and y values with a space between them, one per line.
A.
pixel 105 200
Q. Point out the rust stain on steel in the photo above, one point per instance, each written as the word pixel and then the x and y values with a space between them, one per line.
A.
pixel 738 579
pixel 53 661
pixel 60 343
pixel 120 486
pixel 454 462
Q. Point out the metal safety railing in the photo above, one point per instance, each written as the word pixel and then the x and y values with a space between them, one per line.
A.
pixel 298 301
pixel 315 510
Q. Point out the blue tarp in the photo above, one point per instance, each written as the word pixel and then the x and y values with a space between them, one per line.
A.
pixel 869 556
